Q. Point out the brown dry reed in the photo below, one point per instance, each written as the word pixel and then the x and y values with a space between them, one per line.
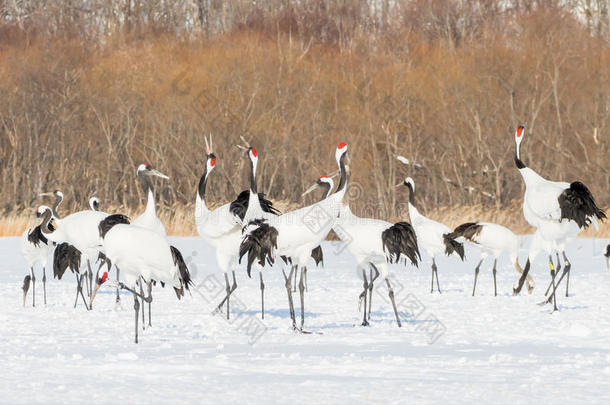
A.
pixel 88 93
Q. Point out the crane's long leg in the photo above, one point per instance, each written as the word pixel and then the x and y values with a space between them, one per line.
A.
pixel 557 270
pixel 302 295
pixel 305 279
pixel 553 281
pixel 33 286
pixel 140 282
pixel 288 284
pixel 294 285
pixel 476 275
pixel 44 284
pixel 136 307
pixel 365 291
pixel 149 284
pixel 373 278
pixel 260 274
pixel 391 294
pixel 118 298
pixel 567 270
pixel 79 290
pixel 522 278
pixel 435 271
pixel 90 279
pixel 494 272
pixel 225 299
pixel 227 296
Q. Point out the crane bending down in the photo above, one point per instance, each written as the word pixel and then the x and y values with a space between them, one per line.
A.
pixel 141 253
pixel 493 240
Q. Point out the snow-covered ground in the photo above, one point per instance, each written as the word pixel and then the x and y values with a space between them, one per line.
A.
pixel 452 347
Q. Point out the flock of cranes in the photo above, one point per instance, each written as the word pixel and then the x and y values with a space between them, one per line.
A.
pixel 250 230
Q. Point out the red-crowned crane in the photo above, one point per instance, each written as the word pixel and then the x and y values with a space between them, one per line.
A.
pixel 295 234
pixel 432 236
pixel 222 227
pixel 141 253
pixel 559 210
pixel 35 248
pixel 493 240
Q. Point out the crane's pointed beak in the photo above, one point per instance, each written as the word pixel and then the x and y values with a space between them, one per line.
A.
pixel 310 189
pixel 399 184
pixel 608 262
pixel 48 194
pixel 157 173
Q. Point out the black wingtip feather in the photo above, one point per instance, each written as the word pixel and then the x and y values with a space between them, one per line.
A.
pixel 185 275
pixel 259 244
pixel 453 246
pixel 577 204
pixel 26 283
pixel 400 239
pixel 318 255
pixel 65 256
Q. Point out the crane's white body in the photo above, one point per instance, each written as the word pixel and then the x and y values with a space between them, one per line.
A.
pixel 80 230
pixel 222 230
pixel 301 230
pixel 141 252
pixel 362 237
pixel 429 232
pixel 541 203
pixel 493 240
pixel 35 254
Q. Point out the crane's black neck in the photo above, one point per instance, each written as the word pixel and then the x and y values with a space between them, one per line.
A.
pixel 411 193
pixel 519 163
pixel 325 188
pixel 46 218
pixel 203 181
pixel 343 173
pixel 58 199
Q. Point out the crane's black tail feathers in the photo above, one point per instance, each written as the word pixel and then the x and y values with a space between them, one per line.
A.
pixel 65 256
pixel 107 223
pixel 259 244
pixel 453 246
pixel 400 239
pixel 577 204
pixel 468 230
pixel 26 283
pixel 317 255
pixel 185 275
